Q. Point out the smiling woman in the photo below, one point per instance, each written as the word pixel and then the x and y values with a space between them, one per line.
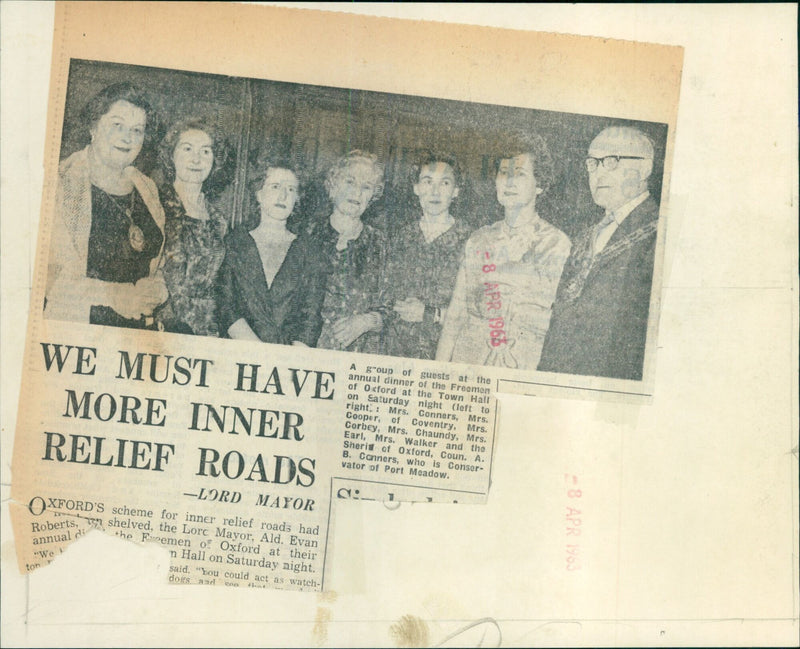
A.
pixel 192 155
pixel 505 288
pixel 108 228
pixel 355 257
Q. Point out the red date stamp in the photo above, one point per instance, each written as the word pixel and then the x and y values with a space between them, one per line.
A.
pixel 497 333
pixel 573 523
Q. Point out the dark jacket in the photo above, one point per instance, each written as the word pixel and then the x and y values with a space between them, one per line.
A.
pixel 599 321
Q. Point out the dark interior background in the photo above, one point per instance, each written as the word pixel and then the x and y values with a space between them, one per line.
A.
pixel 316 124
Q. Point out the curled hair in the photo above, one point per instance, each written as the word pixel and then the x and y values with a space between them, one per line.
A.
pixel 257 173
pixel 354 157
pixel 429 157
pixel 100 104
pixel 257 176
pixel 520 142
pixel 218 176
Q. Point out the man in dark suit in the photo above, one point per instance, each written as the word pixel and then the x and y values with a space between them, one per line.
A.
pixel 599 321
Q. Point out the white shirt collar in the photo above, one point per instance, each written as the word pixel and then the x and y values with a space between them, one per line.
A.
pixel 622 212
pixel 608 226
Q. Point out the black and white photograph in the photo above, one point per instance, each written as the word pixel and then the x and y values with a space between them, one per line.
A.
pixel 356 221
pixel 385 324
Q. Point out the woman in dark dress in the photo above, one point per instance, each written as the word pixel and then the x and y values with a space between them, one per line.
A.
pixel 354 255
pixel 107 232
pixel 270 288
pixel 192 156
pixel 424 261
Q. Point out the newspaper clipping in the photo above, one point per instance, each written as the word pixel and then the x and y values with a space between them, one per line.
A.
pixel 259 294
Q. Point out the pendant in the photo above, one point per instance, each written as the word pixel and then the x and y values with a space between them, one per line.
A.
pixel 136 237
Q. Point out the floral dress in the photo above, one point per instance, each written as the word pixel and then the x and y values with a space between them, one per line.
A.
pixel 427 271
pixel 355 284
pixel 193 253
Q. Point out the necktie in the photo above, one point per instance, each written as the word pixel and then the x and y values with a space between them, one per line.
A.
pixel 603 233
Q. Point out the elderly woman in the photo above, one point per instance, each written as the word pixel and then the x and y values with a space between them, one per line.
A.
pixel 354 255
pixel 192 157
pixel 270 286
pixel 424 260
pixel 505 288
pixel 108 225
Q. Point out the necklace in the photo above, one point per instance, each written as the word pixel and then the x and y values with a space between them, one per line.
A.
pixel 135 233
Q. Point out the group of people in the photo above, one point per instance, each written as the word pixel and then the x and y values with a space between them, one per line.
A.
pixel 516 293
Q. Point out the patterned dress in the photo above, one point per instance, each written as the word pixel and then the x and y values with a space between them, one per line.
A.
pixel 510 273
pixel 355 284
pixel 427 271
pixel 193 253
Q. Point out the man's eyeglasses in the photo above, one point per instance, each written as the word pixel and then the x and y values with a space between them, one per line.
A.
pixel 609 162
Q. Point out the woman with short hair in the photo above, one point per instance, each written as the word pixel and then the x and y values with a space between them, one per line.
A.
pixel 505 288
pixel 354 257
pixel 193 158
pixel 108 226
pixel 271 285
pixel 424 260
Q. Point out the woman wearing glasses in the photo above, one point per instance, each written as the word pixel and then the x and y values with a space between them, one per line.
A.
pixel 505 288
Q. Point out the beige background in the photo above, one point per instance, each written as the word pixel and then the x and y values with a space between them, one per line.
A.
pixel 690 503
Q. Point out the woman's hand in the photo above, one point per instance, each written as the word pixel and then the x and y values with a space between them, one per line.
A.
pixel 152 291
pixel 240 330
pixel 346 330
pixel 142 298
pixel 411 309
